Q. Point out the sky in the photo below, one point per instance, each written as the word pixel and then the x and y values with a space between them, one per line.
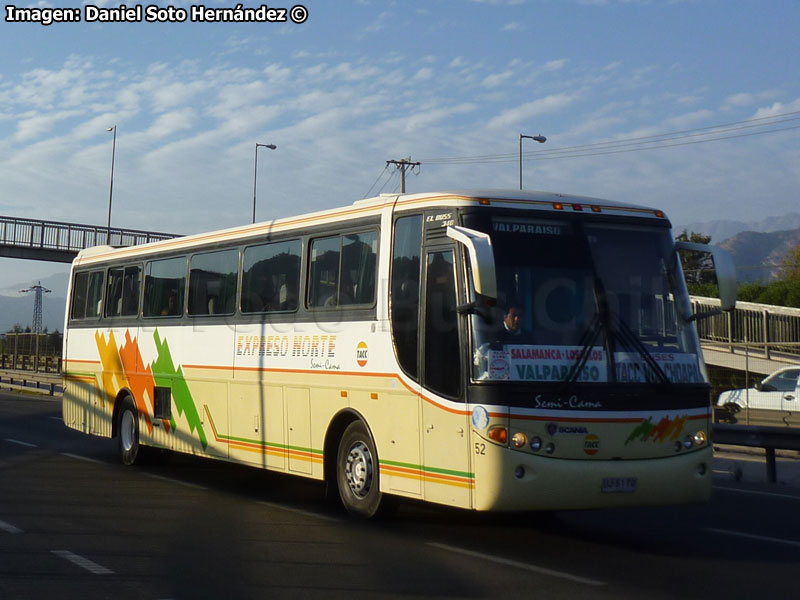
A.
pixel 691 106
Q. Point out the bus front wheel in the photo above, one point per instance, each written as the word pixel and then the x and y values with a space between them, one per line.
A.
pixel 128 434
pixel 357 472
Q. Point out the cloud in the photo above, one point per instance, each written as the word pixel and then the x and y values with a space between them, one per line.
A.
pixel 747 99
pixel 497 79
pixel 423 74
pixel 38 124
pixel 523 112
pixel 777 108
pixel 555 65
pixel 170 123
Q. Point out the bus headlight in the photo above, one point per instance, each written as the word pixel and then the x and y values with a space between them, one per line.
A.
pixel 687 443
pixel 536 443
pixel 700 438
pixel 519 439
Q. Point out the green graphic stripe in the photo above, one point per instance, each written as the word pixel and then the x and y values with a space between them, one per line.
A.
pixel 394 463
pixel 167 375
pixel 261 443
pixel 78 374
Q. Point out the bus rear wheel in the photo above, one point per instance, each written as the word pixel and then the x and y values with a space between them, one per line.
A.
pixel 357 473
pixel 128 433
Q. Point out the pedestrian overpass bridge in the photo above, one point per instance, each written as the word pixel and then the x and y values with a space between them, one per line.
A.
pixel 54 241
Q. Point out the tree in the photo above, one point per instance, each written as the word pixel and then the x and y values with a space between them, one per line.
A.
pixel 790 265
pixel 698 267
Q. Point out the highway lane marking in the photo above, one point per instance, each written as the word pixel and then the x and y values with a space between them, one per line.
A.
pixel 755 492
pixel 299 511
pixel 56 419
pixel 85 563
pixel 9 528
pixel 83 458
pixel 20 443
pixel 178 481
pixel 520 565
pixel 752 536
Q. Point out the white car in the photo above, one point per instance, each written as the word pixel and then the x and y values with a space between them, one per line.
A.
pixel 778 393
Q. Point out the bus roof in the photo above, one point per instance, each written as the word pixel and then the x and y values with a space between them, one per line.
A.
pixel 525 200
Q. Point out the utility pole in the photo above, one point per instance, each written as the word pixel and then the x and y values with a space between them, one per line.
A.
pixel 37 290
pixel 402 165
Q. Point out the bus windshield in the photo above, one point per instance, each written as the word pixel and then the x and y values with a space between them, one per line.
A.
pixel 584 301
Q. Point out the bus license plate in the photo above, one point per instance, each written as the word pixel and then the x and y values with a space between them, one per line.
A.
pixel 619 485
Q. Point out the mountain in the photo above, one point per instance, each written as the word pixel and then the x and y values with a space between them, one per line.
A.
pixel 757 255
pixel 19 310
pixel 723 229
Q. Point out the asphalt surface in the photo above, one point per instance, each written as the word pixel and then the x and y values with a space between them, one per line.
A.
pixel 75 523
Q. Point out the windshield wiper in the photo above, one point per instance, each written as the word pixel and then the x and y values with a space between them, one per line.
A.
pixel 629 340
pixel 587 342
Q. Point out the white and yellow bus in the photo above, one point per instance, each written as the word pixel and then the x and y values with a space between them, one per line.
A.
pixel 485 350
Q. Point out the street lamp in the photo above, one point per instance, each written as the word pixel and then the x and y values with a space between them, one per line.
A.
pixel 111 187
pixel 537 138
pixel 255 174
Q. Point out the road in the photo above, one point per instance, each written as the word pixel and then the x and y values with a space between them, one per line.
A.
pixel 74 523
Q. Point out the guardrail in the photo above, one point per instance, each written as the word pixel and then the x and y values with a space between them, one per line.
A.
pixel 40 383
pixel 30 362
pixel 774 329
pixel 769 438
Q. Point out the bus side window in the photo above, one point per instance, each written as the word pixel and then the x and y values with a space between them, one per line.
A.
pixel 359 259
pixel 404 298
pixel 271 277
pixel 164 285
pixel 79 287
pixel 212 283
pixel 442 357
pixel 324 274
pixel 130 291
pixel 114 293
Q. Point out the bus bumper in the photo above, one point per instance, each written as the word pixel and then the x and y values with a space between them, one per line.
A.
pixel 507 480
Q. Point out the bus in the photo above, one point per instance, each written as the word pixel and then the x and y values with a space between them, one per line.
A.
pixel 489 350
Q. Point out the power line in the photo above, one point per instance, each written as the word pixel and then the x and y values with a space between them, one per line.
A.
pixel 656 141
pixel 385 183
pixel 717 139
pixel 376 181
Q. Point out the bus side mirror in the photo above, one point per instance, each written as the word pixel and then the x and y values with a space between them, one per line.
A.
pixel 724 269
pixel 481 256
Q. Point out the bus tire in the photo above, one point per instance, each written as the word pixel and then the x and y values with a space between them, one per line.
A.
pixel 357 472
pixel 128 433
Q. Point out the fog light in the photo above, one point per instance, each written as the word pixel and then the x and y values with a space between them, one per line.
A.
pixel 550 448
pixel 701 469
pixel 519 439
pixel 687 443
pixel 519 472
pixel 700 438
pixel 536 444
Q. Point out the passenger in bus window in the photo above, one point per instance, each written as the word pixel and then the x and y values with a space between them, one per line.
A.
pixel 172 305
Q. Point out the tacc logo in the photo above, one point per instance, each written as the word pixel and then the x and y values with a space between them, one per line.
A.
pixel 362 354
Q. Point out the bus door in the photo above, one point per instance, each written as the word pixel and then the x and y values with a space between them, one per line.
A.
pixel 445 424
